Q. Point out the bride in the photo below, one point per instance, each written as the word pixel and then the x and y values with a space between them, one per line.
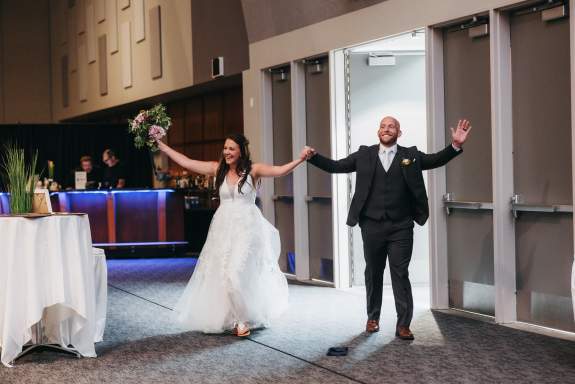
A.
pixel 237 283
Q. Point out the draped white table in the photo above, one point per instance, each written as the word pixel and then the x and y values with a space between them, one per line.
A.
pixel 50 273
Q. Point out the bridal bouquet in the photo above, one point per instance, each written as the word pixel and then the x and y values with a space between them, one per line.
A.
pixel 149 126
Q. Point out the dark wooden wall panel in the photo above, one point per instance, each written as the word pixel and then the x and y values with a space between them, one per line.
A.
pixel 233 110
pixel 195 151
pixel 200 124
pixel 194 120
pixel 177 114
pixel 212 151
pixel 213 115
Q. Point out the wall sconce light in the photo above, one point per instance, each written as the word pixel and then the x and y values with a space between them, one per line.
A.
pixel 217 67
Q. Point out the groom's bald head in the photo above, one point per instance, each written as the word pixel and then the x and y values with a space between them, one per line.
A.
pixel 389 130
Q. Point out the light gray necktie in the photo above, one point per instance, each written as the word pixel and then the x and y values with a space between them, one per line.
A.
pixel 387 159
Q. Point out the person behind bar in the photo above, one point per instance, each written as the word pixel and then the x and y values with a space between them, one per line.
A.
pixel 93 172
pixel 115 172
pixel 389 196
pixel 237 283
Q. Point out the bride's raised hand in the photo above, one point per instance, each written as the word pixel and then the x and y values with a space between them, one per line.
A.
pixel 306 153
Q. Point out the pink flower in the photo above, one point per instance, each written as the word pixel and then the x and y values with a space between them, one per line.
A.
pixel 156 132
pixel 140 118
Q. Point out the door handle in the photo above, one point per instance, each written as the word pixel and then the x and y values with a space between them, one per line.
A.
pixel 518 206
pixel 450 203
pixel 309 199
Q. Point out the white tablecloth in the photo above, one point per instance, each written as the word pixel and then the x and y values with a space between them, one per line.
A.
pixel 48 271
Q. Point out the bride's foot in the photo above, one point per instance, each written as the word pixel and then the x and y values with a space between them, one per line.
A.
pixel 241 330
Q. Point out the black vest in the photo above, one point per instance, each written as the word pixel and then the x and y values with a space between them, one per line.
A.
pixel 389 196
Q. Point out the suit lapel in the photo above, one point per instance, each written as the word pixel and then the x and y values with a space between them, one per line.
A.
pixel 373 158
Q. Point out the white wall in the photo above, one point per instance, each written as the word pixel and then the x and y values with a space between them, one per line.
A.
pixel 398 91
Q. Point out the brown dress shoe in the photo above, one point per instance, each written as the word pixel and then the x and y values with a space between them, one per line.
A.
pixel 404 333
pixel 372 326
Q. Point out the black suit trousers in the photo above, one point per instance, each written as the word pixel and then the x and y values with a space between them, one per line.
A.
pixel 383 240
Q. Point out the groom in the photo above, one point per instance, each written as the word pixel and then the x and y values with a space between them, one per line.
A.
pixel 389 196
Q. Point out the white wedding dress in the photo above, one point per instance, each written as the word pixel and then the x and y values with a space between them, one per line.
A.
pixel 237 278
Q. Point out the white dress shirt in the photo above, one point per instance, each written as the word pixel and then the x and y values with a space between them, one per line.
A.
pixel 386 155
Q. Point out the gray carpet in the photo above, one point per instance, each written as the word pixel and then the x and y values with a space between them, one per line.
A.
pixel 144 345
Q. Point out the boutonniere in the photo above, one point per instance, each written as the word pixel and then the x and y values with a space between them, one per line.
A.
pixel 407 162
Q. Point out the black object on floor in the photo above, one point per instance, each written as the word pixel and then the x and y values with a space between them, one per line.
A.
pixel 337 351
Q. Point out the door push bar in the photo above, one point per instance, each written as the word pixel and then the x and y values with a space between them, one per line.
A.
pixel 450 203
pixel 517 206
pixel 309 199
pixel 282 197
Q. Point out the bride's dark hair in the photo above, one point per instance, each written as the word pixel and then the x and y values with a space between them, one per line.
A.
pixel 244 166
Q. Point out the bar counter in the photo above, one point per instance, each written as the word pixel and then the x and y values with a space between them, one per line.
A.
pixel 124 217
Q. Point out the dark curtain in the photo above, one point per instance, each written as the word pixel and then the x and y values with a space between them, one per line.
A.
pixel 64 144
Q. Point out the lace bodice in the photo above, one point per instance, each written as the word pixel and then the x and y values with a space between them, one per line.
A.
pixel 229 192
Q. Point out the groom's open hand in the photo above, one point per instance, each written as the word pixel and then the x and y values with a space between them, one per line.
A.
pixel 459 134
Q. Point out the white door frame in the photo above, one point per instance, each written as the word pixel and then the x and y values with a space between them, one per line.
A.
pixel 340 185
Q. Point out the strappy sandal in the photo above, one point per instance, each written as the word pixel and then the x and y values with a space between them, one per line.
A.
pixel 241 330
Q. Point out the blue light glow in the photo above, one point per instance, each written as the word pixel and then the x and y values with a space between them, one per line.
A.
pixel 143 191
pixel 87 192
pixel 151 243
pixel 79 192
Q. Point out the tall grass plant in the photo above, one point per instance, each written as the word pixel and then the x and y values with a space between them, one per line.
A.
pixel 19 178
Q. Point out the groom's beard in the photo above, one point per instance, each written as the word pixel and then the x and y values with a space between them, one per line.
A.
pixel 388 143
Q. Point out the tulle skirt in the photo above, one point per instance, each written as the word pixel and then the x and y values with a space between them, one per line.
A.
pixel 237 277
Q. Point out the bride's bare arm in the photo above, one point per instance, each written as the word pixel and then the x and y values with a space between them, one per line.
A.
pixel 266 170
pixel 202 167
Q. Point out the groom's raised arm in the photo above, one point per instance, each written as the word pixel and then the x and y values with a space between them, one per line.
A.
pixel 345 165
pixel 458 138
pixel 438 159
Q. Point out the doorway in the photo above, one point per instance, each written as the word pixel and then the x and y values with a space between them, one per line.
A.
pixel 373 80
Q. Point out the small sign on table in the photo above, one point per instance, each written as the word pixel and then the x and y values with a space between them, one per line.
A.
pixel 81 178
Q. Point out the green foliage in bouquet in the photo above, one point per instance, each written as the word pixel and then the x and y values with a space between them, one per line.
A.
pixel 149 126
pixel 19 178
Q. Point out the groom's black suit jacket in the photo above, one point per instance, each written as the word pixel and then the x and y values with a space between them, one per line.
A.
pixel 364 161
